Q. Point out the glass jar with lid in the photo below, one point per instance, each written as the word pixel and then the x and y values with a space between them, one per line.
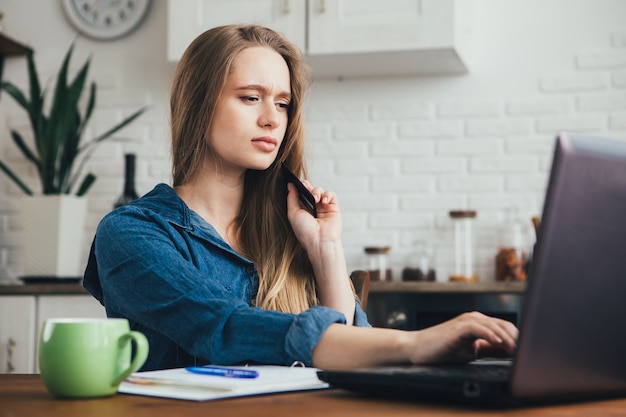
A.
pixel 420 263
pixel 464 249
pixel 512 255
pixel 378 263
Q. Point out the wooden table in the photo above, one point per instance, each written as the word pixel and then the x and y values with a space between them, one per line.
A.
pixel 26 396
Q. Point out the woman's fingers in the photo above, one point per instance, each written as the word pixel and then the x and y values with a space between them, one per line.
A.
pixel 321 195
pixel 494 330
pixel 466 337
pixel 492 335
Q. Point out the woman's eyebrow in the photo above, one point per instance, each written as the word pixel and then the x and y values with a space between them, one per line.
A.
pixel 262 89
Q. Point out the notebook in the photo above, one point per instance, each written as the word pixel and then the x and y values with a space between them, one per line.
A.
pixel 572 342
pixel 181 384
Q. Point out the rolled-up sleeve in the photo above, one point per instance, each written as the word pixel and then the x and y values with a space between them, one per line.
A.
pixel 306 330
pixel 360 318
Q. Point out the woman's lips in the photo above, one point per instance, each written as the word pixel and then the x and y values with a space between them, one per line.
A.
pixel 266 143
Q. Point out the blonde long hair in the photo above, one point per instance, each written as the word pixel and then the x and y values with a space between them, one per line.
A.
pixel 286 281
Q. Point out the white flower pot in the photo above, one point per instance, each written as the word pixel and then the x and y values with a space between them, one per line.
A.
pixel 53 229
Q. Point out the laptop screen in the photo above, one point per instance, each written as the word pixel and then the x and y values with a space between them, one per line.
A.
pixel 573 326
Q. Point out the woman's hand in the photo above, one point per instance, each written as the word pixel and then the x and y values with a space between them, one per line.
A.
pixel 465 338
pixel 311 231
pixel 321 238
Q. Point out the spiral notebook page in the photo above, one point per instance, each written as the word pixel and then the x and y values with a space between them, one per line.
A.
pixel 180 384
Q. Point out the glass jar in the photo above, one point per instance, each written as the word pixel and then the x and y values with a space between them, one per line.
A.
pixel 420 264
pixel 464 250
pixel 512 256
pixel 378 263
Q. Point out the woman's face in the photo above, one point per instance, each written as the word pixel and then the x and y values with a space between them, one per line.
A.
pixel 251 114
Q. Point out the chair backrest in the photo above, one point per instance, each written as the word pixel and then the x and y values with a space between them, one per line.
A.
pixel 361 281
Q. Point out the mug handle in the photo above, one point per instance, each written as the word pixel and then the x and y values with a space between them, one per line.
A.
pixel 141 354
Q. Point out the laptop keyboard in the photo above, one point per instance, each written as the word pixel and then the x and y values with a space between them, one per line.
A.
pixel 484 372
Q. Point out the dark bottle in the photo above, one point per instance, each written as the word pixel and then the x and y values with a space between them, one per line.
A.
pixel 129 193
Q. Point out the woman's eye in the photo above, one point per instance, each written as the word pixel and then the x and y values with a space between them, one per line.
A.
pixel 250 98
pixel 282 105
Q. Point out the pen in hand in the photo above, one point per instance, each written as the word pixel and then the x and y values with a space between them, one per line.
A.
pixel 225 372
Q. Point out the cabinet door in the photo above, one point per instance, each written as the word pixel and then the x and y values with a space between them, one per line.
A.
pixel 341 26
pixel 68 306
pixel 17 334
pixel 388 37
pixel 187 19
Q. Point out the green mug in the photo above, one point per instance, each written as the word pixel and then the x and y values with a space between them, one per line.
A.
pixel 82 358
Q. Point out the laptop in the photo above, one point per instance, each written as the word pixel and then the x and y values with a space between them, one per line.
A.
pixel 572 341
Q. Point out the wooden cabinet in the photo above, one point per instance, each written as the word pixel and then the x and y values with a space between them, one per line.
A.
pixel 345 38
pixel 17 334
pixel 21 319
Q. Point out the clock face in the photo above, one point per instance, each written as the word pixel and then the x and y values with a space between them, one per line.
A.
pixel 106 19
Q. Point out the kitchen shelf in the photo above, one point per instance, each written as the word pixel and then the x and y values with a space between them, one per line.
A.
pixel 42 289
pixel 10 47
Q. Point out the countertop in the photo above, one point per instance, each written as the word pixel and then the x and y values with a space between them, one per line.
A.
pixel 375 287
pixel 43 289
pixel 447 287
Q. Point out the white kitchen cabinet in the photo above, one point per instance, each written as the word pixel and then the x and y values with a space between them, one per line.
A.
pixel 345 38
pixel 64 306
pixel 68 306
pixel 390 37
pixel 21 320
pixel 17 334
pixel 187 19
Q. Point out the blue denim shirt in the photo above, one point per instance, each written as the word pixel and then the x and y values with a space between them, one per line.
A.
pixel 164 268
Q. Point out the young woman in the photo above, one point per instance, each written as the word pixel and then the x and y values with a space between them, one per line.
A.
pixel 226 266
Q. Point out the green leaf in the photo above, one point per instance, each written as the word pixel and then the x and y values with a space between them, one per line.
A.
pixel 15 178
pixel 17 138
pixel 119 126
pixel 70 149
pixel 36 97
pixel 17 95
pixel 91 102
pixel 86 184
pixel 77 172
pixel 55 136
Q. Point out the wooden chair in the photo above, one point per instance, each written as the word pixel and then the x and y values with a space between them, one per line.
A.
pixel 361 281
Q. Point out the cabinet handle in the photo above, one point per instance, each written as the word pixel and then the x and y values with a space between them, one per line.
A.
pixel 286 7
pixel 322 6
pixel 10 345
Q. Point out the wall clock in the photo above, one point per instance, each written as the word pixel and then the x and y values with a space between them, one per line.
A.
pixel 106 19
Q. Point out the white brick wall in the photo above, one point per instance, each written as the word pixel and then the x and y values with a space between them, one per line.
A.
pixel 400 152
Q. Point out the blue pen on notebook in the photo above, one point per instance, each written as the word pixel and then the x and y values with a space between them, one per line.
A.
pixel 219 371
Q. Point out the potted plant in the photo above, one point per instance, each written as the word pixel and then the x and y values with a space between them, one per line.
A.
pixel 59 156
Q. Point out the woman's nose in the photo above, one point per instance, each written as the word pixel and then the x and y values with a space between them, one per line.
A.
pixel 269 117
